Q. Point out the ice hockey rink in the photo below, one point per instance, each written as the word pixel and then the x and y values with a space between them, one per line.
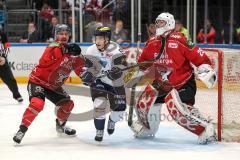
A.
pixel 42 142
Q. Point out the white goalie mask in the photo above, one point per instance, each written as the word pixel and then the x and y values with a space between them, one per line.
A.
pixel 170 24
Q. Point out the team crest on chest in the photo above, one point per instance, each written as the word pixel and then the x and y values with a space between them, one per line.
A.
pixel 172 45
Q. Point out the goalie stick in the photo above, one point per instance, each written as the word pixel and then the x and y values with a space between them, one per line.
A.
pixel 132 93
pixel 132 100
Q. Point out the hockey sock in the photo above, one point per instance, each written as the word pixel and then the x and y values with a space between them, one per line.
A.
pixel 36 106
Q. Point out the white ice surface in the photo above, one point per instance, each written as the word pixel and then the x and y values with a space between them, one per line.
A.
pixel 42 143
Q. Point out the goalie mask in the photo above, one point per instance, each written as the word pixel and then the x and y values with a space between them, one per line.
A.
pixel 165 23
pixel 102 37
pixel 62 33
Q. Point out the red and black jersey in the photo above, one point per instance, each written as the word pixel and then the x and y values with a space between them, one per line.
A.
pixel 178 55
pixel 54 67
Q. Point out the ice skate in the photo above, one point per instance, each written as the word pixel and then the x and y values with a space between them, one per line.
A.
pixel 62 129
pixel 19 99
pixel 99 135
pixel 111 126
pixel 20 134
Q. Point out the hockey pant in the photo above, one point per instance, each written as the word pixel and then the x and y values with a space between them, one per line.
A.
pixel 103 96
pixel 37 95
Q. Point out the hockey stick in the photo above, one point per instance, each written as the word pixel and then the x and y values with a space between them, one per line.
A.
pixel 133 91
pixel 104 74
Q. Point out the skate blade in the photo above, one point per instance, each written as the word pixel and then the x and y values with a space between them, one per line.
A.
pixel 15 144
pixel 63 135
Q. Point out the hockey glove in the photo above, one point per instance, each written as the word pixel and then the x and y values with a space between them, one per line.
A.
pixel 163 87
pixel 73 49
pixel 114 73
pixel 87 78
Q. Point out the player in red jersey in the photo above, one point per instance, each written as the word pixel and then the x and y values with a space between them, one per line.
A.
pixel 174 57
pixel 47 78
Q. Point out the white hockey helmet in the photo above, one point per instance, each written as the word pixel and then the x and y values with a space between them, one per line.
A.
pixel 170 23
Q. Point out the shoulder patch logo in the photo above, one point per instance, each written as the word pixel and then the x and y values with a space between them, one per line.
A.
pixel 175 36
pixel 172 45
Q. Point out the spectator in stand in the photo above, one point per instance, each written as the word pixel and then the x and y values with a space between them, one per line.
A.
pixel 238 34
pixel 69 23
pixel 92 8
pixel 47 12
pixel 54 23
pixel 89 30
pixel 151 30
pixel 121 11
pixel 66 9
pixel 119 34
pixel 180 28
pixel 45 17
pixel 32 35
pixel 225 35
pixel 107 12
pixel 211 34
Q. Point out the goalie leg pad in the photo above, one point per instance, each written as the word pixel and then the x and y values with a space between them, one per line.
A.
pixel 36 106
pixel 154 118
pixel 148 114
pixel 181 113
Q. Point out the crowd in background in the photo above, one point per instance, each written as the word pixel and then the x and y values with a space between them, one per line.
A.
pixel 108 13
pixel 95 13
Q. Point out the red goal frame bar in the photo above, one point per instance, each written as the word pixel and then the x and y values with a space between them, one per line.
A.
pixel 220 83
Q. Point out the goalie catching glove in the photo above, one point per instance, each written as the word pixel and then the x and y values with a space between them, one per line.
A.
pixel 207 75
pixel 73 49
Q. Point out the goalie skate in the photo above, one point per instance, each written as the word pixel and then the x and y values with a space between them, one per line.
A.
pixel 208 136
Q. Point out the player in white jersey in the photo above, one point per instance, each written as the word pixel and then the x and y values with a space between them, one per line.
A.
pixel 105 58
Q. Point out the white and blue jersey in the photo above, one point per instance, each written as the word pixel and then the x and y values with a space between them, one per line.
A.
pixel 99 62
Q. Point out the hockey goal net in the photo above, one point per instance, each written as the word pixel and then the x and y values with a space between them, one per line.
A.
pixel 222 103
